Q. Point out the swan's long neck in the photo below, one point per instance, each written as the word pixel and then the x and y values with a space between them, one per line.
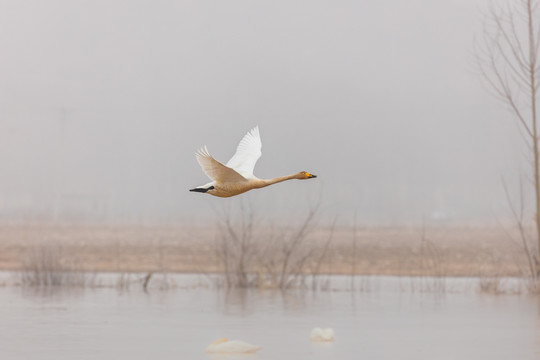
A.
pixel 266 182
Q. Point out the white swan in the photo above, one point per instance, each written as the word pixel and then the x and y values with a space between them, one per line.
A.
pixel 224 346
pixel 236 177
pixel 320 335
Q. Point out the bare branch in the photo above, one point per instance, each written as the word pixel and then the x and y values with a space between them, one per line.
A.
pixel 505 65
pixel 514 45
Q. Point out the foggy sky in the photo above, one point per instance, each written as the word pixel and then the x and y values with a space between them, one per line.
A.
pixel 103 104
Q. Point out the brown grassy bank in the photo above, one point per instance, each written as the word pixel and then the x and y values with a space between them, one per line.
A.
pixel 456 251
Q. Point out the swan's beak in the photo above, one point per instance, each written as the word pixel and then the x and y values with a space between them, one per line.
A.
pixel 311 176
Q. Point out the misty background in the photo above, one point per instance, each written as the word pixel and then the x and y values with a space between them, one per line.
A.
pixel 103 104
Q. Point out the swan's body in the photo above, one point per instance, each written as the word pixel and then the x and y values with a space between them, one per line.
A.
pixel 318 334
pixel 224 346
pixel 236 177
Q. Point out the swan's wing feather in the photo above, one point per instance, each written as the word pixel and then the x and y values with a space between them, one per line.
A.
pixel 215 170
pixel 247 154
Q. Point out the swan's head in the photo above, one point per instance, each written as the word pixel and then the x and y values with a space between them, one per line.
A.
pixel 302 175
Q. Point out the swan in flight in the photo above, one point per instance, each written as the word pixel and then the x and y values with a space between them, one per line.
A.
pixel 236 177
pixel 319 335
pixel 224 346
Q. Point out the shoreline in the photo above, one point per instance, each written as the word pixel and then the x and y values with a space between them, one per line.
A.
pixel 448 251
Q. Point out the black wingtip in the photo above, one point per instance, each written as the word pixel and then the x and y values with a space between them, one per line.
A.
pixel 198 190
pixel 201 190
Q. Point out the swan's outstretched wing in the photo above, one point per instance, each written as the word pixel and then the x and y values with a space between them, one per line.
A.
pixel 215 170
pixel 247 154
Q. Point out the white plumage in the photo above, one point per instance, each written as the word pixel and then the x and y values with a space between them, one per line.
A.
pixel 247 153
pixel 320 335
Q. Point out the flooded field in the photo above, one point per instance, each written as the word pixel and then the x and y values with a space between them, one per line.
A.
pixel 385 322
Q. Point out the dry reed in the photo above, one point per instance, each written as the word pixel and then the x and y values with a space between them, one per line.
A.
pixel 44 266
pixel 268 257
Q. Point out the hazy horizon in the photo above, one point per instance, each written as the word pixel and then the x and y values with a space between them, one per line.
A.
pixel 104 103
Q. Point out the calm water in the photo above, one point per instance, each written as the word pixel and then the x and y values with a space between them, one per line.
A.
pixel 384 323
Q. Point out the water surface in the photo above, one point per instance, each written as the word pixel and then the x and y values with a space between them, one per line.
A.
pixel 383 323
